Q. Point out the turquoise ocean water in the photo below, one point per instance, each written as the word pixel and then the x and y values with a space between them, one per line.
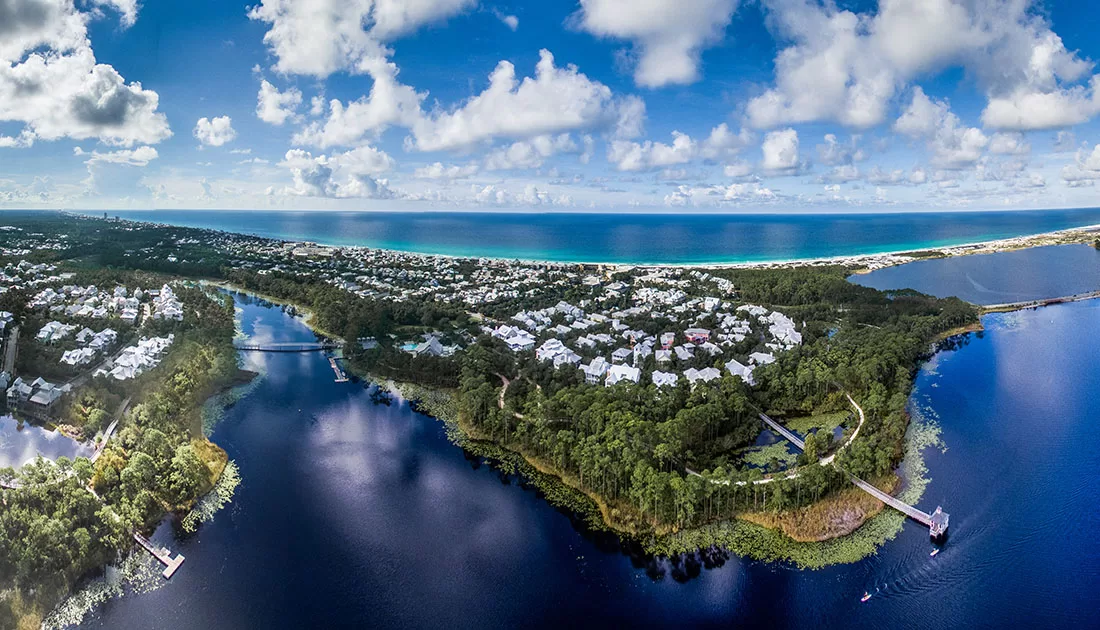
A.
pixel 631 238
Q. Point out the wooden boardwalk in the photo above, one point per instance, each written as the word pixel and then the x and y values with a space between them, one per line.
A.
pixel 171 565
pixel 110 432
pixel 901 506
pixel 784 431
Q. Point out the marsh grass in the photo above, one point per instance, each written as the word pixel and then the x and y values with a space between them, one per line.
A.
pixel 139 572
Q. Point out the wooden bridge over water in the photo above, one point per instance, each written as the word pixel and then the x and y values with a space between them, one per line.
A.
pixel 286 346
pixel 1018 306
pixel 784 431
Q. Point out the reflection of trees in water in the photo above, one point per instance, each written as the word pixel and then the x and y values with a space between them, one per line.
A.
pixel 682 567
pixel 957 342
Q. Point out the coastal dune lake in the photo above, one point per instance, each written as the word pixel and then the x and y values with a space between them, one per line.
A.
pixel 360 515
pixel 999 278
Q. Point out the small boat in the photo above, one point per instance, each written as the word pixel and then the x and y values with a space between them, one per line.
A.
pixel 866 596
pixel 934 552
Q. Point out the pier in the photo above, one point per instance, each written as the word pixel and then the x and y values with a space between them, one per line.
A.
pixel 171 565
pixel 341 377
pixel 286 347
pixel 936 522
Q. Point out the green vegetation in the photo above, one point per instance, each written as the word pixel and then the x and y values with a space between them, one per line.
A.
pixel 773 456
pixel 54 531
pixel 821 422
pixel 631 447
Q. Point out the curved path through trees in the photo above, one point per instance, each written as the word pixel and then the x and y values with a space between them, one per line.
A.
pixel 824 461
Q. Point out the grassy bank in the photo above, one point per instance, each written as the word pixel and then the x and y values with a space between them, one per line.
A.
pixel 961 330
pixel 835 516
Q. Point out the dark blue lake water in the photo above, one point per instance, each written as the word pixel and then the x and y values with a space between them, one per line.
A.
pixel 1003 277
pixel 632 238
pixel 353 515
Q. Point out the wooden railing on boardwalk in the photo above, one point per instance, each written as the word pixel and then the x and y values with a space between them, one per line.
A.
pixel 901 506
pixel 784 431
pixel 165 556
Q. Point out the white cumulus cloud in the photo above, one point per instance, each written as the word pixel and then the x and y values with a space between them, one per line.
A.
pixel 275 107
pixel 51 83
pixel 668 36
pixel 320 37
pixel 634 156
pixel 215 132
pixel 343 175
pixel 953 144
pixel 780 152
pixel 846 66
pixel 555 100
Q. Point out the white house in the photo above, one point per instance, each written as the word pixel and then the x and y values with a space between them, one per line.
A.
pixel 595 370
pixel 667 339
pixel 549 349
pixel 660 379
pixel 762 358
pixel 619 373
pixel 621 354
pixel 710 349
pixel 567 357
pixel 744 372
pixel 697 335
pixel 706 375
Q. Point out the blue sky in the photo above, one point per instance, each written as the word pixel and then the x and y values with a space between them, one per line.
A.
pixel 708 105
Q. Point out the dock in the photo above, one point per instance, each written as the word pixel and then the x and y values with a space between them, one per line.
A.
pixel 341 376
pixel 936 522
pixel 171 565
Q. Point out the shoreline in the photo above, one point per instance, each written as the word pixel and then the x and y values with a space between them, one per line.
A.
pixel 740 535
pixel 863 262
